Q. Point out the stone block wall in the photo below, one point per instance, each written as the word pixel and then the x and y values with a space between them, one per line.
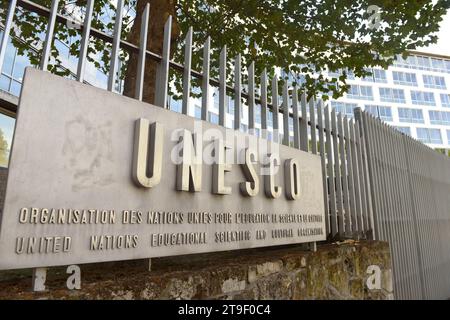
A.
pixel 335 271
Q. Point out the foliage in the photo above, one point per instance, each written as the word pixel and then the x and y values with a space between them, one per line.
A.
pixel 304 38
pixel 4 150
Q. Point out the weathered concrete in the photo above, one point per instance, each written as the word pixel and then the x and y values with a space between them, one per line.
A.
pixel 336 271
pixel 83 147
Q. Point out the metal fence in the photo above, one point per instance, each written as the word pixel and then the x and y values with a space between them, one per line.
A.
pixel 411 205
pixel 397 191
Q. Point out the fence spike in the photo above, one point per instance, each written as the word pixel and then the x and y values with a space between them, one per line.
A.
pixel 162 72
pixel 296 118
pixel 142 53
pixel 264 103
pixel 286 114
pixel 275 109
pixel 312 119
pixel 6 31
pixel 205 79
pixel 47 47
pixel 223 86
pixel 251 97
pixel 304 124
pixel 237 92
pixel 187 71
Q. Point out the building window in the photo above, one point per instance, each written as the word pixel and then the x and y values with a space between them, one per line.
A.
pixel 360 92
pixel 392 95
pixel 383 112
pixel 336 74
pixel 198 111
pixel 428 135
pixel 230 105
pixel 404 78
pixel 405 130
pixel 423 63
pixel 423 98
pixel 445 100
pixel 410 115
pixel 213 117
pixel 11 75
pixel 448 137
pixel 175 104
pixel 257 114
pixel 269 119
pixel 344 108
pixel 439 117
pixel 378 75
pixel 434 82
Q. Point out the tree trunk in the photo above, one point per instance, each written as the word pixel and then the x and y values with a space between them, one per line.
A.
pixel 159 13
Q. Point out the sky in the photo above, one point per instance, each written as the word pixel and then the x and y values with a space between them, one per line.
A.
pixel 443 45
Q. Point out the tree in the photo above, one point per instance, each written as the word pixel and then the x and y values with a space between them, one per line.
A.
pixel 303 37
pixel 4 150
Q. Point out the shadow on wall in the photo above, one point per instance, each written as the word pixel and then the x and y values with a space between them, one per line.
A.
pixel 3 176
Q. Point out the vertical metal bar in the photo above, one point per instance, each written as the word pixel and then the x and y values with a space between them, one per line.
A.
pixel 408 215
pixel 361 178
pixel 6 31
pixel 251 97
pixel 312 119
pixel 368 181
pixel 295 118
pixel 337 172
pixel 84 45
pixel 187 72
pixel 113 69
pixel 275 109
pixel 205 79
pixel 378 193
pixel 355 171
pixel 410 155
pixel 366 186
pixel 350 169
pixel 162 72
pixel 285 114
pixel 47 47
pixel 222 85
pixel 405 211
pixel 237 93
pixel 264 103
pixel 304 124
pixel 331 181
pixel 392 222
pixel 323 163
pixel 347 216
pixel 142 53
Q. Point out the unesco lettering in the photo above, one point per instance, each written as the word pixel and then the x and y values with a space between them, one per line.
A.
pixel 147 165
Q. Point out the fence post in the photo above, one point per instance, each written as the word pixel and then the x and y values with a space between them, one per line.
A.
pixel 367 171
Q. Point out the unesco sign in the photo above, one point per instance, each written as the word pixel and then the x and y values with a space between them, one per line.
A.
pixel 96 177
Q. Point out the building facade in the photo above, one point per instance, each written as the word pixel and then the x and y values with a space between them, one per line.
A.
pixel 412 95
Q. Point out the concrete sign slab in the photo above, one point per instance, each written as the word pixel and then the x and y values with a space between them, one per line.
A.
pixel 95 177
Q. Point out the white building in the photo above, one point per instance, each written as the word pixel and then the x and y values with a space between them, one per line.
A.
pixel 412 95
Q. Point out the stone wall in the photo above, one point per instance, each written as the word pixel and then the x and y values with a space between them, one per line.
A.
pixel 335 271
